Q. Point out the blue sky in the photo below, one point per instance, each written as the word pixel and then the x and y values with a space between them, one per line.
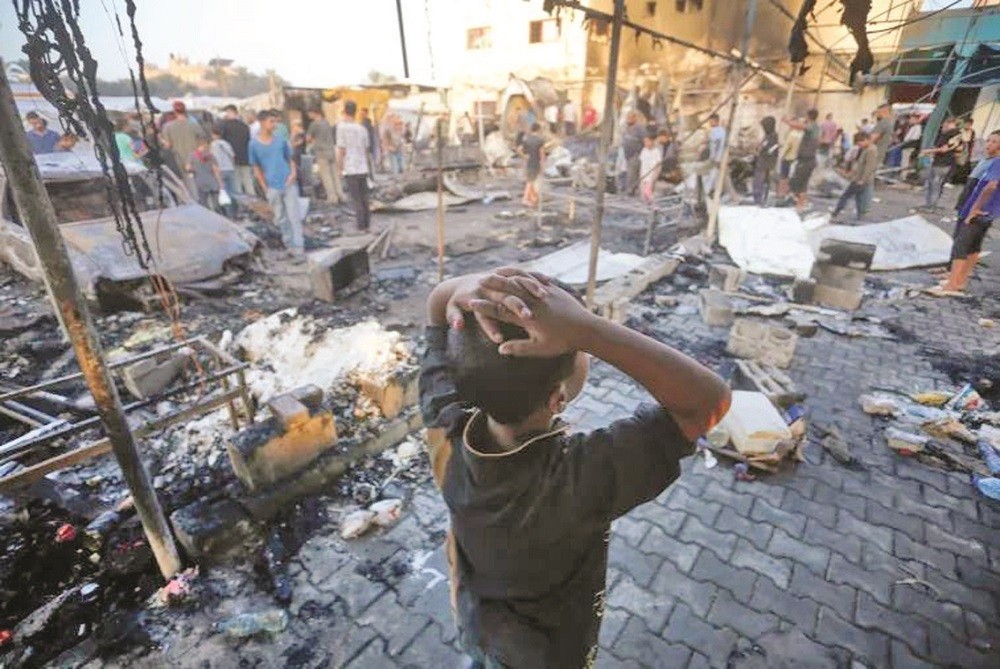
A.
pixel 309 42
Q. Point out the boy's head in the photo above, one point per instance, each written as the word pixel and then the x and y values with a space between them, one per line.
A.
pixel 993 144
pixel 862 139
pixel 216 132
pixel 202 142
pixel 649 141
pixel 509 389
pixel 812 114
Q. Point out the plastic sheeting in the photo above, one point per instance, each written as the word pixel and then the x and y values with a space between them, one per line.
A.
pixel 776 241
pixel 571 264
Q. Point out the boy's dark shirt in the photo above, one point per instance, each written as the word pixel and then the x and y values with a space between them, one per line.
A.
pixel 531 526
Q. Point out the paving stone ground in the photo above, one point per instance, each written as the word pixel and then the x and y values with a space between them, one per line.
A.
pixel 893 565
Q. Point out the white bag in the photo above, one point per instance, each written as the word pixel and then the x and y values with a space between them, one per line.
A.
pixel 224 199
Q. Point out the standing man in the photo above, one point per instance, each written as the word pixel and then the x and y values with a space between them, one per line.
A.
pixel 632 142
pixel 765 161
pixel 716 147
pixel 40 138
pixel 589 118
pixel 946 149
pixel 393 141
pixel 237 134
pixel 353 147
pixel 861 177
pixel 532 148
pixel 551 114
pixel 881 133
pixel 805 159
pixel 828 133
pixel 974 221
pixel 271 158
pixel 323 141
pixel 181 136
pixel 569 118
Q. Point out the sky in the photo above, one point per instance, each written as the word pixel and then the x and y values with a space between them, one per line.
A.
pixel 307 42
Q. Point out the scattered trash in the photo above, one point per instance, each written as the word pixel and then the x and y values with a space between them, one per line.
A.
pixel 990 456
pixel 875 405
pixel 364 493
pixel 948 427
pixel 742 472
pixel 387 511
pixel 834 444
pixel 65 534
pixel 274 560
pixel 356 523
pixel 6 637
pixel 934 398
pixel 905 443
pixel 179 589
pixel 754 424
pixel 247 625
pixel 989 486
pixel 966 399
pixel 987 322
pixel 710 460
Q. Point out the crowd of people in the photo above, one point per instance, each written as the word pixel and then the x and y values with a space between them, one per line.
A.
pixel 259 154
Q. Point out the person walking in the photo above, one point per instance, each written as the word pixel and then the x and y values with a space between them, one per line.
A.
pixel 805 159
pixel 353 162
pixel 322 140
pixel 828 133
pixel 650 164
pixel 946 149
pixel 271 158
pixel 632 142
pixel 861 177
pixel 765 161
pixel 716 147
pixel 881 132
pixel 569 118
pixel 40 138
pixel 532 148
pixel 236 133
pixel 181 135
pixel 393 142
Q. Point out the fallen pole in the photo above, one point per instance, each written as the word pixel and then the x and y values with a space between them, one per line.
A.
pixel 39 217
pixel 607 136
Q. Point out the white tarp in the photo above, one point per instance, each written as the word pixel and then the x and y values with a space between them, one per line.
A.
pixel 905 242
pixel 776 241
pixel 766 241
pixel 571 264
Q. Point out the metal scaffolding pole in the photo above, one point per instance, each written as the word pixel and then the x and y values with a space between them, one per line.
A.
pixel 607 136
pixel 737 78
pixel 39 217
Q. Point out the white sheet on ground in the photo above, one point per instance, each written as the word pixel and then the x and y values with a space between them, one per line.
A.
pixel 766 241
pixel 570 265
pixel 905 242
pixel 776 241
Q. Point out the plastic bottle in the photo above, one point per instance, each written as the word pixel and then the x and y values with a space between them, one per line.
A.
pixel 248 624
pixel 990 455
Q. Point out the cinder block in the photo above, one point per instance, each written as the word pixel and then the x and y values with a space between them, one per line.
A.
pixel 762 341
pixel 206 527
pixel 726 278
pixel 148 377
pixel 839 272
pixel 804 291
pixel 768 379
pixel 288 411
pixel 263 455
pixel 392 393
pixel 838 298
pixel 716 309
pixel 337 270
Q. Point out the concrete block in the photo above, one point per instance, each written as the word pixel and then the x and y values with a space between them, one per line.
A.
pixel 288 411
pixel 206 527
pixel 148 377
pixel 392 393
pixel 803 291
pixel 839 272
pixel 716 309
pixel 262 455
pixel 767 379
pixel 310 395
pixel 726 278
pixel 337 270
pixel 611 299
pixel 762 341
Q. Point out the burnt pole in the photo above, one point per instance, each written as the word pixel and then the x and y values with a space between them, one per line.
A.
pixel 39 217
pixel 402 38
pixel 607 137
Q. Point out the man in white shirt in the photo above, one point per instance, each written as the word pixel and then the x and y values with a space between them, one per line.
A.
pixel 552 117
pixel 569 118
pixel 353 149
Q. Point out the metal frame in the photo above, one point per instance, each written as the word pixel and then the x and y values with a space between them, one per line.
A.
pixel 228 372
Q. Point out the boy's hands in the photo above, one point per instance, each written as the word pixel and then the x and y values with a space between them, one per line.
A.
pixel 508 288
pixel 556 323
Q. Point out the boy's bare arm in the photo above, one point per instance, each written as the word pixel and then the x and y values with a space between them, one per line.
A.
pixel 694 395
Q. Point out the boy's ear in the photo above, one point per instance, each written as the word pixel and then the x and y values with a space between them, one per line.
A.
pixel 558 400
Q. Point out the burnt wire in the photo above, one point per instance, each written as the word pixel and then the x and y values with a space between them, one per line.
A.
pixel 56 48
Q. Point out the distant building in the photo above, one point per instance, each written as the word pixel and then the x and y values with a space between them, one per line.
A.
pixel 199 75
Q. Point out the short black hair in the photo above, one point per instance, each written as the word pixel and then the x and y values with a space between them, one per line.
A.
pixel 713 117
pixel 535 127
pixel 506 388
pixel 350 107
pixel 228 108
pixel 813 114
